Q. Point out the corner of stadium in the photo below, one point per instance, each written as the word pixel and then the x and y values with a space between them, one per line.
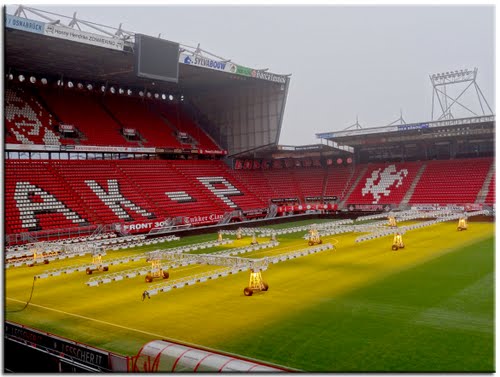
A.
pixel 153 222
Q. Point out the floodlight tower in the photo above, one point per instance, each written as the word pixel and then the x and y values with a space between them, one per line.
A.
pixel 440 84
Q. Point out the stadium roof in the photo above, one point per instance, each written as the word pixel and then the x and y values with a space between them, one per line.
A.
pixel 414 131
pixel 36 53
pixel 226 94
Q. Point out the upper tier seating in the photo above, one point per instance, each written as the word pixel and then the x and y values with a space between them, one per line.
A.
pixel 82 110
pixel 451 181
pixel 32 116
pixel 26 119
pixel 133 113
pixel 384 183
pixel 182 122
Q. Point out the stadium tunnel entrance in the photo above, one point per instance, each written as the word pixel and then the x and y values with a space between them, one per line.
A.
pixel 165 356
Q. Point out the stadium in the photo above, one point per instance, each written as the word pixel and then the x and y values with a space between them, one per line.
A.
pixel 153 223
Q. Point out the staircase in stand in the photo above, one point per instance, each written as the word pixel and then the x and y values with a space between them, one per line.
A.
pixel 351 186
pixel 483 193
pixel 410 191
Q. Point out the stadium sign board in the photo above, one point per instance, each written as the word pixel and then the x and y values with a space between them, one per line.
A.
pixel 63 32
pixel 307 207
pixel 70 34
pixel 410 127
pixel 369 207
pixel 200 61
pixel 225 66
pixel 24 24
pixel 60 347
pixel 141 226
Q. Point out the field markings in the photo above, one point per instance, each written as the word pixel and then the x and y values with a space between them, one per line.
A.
pixel 443 318
pixel 159 336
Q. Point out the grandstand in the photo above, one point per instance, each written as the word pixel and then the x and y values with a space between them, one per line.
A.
pixel 94 146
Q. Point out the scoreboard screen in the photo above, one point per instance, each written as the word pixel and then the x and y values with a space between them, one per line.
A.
pixel 156 58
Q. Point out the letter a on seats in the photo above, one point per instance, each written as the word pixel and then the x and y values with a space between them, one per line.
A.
pixel 116 201
pixel 28 209
pixel 221 193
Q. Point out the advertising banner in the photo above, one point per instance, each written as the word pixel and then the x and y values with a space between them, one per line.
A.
pixel 202 219
pixel 142 226
pixel 63 32
pixel 409 127
pixel 424 207
pixel 200 61
pixel 284 200
pixel 255 212
pixel 225 66
pixel 213 151
pixel 238 165
pixel 32 147
pixel 24 24
pixel 369 207
pixel 474 207
pixel 308 207
pixel 63 348
pixel 96 148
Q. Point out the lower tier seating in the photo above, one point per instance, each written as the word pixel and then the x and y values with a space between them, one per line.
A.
pixel 44 195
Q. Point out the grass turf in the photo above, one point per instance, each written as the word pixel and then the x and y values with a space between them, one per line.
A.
pixel 362 307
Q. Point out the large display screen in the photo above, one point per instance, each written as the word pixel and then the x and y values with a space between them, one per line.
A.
pixel 156 58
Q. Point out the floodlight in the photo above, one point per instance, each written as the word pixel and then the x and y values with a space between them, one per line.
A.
pixel 44 81
pixel 33 79
pixel 349 160
pixel 129 92
pixel 182 97
pixel 112 90
pixel 171 97
pixel 141 93
pixel 157 95
pixel 70 84
pixel 21 78
pixel 80 86
pixel 89 86
pixel 148 94
pixel 339 161
pixel 103 88
pixel 121 91
pixel 163 97
pixel 11 76
pixel 60 83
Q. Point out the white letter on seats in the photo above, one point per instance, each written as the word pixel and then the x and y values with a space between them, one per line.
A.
pixel 28 209
pixel 115 200
pixel 221 193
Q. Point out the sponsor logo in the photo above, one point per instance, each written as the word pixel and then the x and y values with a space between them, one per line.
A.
pixel 83 37
pixel 409 127
pixel 19 23
pixel 268 76
pixel 202 219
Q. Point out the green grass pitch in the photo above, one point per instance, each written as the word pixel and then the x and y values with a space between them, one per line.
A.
pixel 361 307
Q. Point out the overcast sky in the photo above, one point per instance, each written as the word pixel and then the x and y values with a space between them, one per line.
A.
pixel 344 60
